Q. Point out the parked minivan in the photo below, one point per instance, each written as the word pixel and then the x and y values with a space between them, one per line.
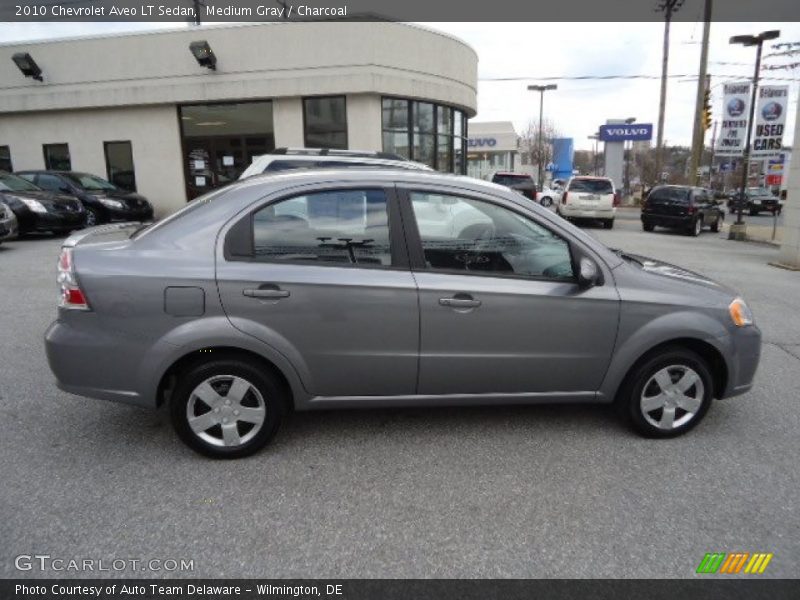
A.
pixel 374 288
pixel 589 198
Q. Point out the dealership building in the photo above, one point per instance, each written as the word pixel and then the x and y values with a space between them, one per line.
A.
pixel 174 114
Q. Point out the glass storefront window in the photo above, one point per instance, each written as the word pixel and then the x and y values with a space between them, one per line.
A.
pixel 5 159
pixel 56 157
pixel 220 141
pixel 432 134
pixel 325 122
pixel 119 165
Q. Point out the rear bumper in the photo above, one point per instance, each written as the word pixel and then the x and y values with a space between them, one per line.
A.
pixel 671 221
pixel 575 212
pixel 88 363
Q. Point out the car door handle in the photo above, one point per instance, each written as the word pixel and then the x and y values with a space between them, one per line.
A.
pixel 459 302
pixel 268 293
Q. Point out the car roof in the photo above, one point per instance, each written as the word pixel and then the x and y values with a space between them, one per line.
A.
pixel 262 161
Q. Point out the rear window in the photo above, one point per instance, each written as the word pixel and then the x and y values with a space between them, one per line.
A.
pixel 678 195
pixel 591 186
pixel 508 180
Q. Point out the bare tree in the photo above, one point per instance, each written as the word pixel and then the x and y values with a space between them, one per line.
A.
pixel 529 145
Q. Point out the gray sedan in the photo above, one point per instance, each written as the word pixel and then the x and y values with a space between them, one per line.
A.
pixel 364 288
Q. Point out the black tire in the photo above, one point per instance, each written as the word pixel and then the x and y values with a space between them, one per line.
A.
pixel 753 213
pixel 608 224
pixel 547 202
pixel 93 217
pixel 648 226
pixel 715 224
pixel 629 398
pixel 694 230
pixel 271 391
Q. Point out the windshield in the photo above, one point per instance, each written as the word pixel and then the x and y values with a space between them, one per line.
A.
pixel 591 186
pixel 508 180
pixel 758 191
pixel 13 183
pixel 90 182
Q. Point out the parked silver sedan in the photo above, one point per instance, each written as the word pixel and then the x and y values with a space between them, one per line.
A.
pixel 349 289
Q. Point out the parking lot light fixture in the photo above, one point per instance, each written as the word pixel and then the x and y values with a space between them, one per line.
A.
pixel 738 230
pixel 204 54
pixel 27 65
pixel 541 89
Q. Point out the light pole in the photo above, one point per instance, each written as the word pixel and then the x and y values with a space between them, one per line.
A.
pixel 628 121
pixel 595 137
pixel 541 89
pixel 737 231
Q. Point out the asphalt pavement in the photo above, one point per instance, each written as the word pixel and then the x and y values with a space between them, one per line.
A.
pixel 481 492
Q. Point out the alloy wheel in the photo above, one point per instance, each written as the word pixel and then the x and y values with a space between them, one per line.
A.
pixel 698 226
pixel 672 397
pixel 226 410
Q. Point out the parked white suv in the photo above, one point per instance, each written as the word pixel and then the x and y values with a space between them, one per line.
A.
pixel 284 159
pixel 589 198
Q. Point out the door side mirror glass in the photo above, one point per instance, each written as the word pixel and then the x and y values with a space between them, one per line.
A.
pixel 588 273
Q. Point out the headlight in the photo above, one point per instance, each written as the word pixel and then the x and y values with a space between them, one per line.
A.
pixel 109 203
pixel 740 313
pixel 34 205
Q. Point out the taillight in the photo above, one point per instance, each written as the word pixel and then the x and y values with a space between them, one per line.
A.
pixel 564 198
pixel 616 198
pixel 72 297
pixel 691 209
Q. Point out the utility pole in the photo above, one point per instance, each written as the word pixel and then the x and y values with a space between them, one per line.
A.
pixel 698 134
pixel 667 7
pixel 711 162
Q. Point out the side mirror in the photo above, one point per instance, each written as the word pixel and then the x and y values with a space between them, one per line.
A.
pixel 65 189
pixel 588 273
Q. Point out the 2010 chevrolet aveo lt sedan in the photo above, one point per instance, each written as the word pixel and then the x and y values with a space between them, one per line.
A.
pixel 366 288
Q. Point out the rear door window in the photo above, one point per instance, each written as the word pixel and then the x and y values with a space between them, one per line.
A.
pixel 509 180
pixel 339 227
pixel 591 186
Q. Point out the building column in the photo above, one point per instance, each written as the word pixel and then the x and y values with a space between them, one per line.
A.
pixel 790 246
pixel 287 119
pixel 364 122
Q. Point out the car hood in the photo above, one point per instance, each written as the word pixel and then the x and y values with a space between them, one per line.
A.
pixel 674 272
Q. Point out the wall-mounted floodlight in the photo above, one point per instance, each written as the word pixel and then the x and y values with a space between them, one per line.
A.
pixel 27 65
pixel 204 54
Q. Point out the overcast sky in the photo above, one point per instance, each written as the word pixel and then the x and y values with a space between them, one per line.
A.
pixel 532 51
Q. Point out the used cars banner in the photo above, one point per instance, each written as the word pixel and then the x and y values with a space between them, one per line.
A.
pixel 733 132
pixel 770 121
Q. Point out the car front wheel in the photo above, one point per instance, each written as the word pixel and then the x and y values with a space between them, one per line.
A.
pixel 227 408
pixel 92 217
pixel 547 202
pixel 608 224
pixel 668 394
pixel 648 226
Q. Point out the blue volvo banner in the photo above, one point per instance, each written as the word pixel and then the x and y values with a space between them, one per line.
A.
pixel 623 133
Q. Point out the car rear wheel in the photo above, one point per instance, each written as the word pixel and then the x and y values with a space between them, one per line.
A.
pixel 608 224
pixel 227 408
pixel 715 225
pixel 547 202
pixel 753 213
pixel 648 226
pixel 696 227
pixel 668 394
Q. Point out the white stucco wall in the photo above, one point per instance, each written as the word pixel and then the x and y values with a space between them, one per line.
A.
pixel 152 131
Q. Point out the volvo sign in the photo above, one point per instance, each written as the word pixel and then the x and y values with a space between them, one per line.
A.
pixel 624 133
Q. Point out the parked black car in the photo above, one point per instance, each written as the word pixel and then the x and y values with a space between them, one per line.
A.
pixel 520 182
pixel 104 202
pixel 757 199
pixel 681 207
pixel 38 210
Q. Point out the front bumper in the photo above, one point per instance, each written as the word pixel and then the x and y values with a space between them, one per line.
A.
pixel 128 214
pixel 61 222
pixel 744 354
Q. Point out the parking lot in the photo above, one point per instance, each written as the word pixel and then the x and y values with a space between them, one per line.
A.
pixel 482 492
